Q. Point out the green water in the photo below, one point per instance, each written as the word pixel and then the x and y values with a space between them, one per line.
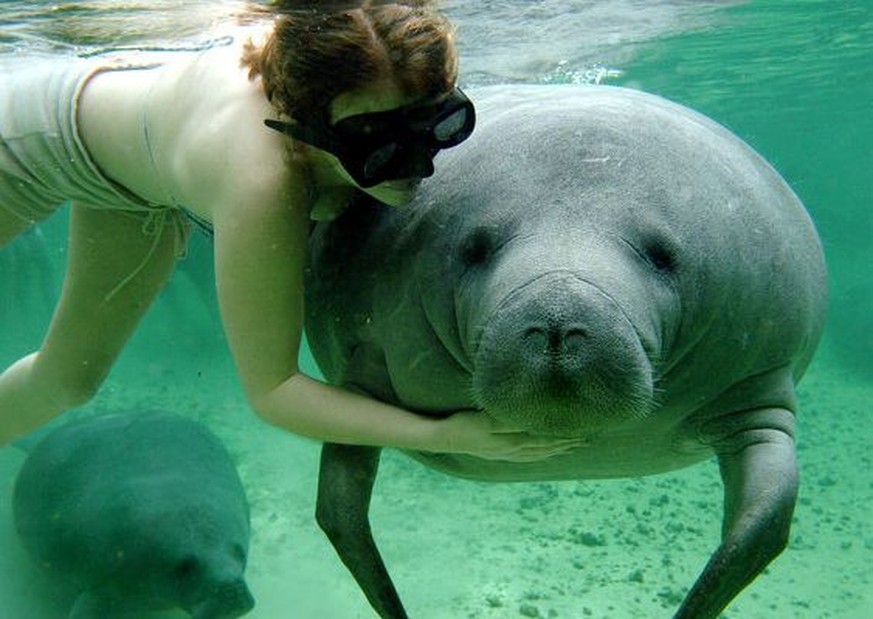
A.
pixel 794 79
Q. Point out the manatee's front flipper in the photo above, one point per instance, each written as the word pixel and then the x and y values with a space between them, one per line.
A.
pixel 345 485
pixel 759 471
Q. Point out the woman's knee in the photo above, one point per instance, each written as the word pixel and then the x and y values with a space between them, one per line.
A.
pixel 79 391
pixel 70 386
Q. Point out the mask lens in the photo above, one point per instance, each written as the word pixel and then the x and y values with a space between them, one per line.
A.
pixel 376 161
pixel 453 129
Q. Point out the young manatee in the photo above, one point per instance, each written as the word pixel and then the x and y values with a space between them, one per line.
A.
pixel 140 511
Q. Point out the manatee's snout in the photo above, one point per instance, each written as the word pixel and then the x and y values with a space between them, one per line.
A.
pixel 225 600
pixel 559 356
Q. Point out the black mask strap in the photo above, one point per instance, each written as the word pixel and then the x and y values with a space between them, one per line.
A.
pixel 305 134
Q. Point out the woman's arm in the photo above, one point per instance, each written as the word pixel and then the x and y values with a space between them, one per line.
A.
pixel 260 253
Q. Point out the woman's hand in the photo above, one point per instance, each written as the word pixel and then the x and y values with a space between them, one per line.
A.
pixel 477 434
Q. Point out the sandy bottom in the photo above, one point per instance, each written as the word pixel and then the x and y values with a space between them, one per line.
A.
pixel 460 549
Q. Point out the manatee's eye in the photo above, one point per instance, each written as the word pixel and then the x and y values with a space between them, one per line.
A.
pixel 478 246
pixel 186 568
pixel 660 255
pixel 238 552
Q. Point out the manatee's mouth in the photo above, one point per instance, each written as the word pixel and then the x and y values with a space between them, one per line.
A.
pixel 224 601
pixel 560 357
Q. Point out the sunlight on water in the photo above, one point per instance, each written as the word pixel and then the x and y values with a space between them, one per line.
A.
pixel 35 25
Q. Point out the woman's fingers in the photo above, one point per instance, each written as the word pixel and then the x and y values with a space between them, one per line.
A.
pixel 523 447
pixel 478 434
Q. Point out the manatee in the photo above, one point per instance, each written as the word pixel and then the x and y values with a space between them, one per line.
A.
pixel 594 262
pixel 138 511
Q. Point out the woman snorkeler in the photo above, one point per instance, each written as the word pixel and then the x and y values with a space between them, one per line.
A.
pixel 254 139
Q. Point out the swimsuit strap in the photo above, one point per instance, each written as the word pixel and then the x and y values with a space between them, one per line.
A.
pixel 204 226
pixel 154 225
pixel 149 144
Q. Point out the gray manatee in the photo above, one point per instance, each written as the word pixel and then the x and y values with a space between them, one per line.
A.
pixel 593 262
pixel 140 511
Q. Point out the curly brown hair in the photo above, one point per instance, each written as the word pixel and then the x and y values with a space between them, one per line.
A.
pixel 319 50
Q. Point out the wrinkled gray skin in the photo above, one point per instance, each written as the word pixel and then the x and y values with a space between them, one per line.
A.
pixel 140 511
pixel 593 262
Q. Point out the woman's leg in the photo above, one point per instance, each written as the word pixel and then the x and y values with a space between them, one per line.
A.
pixel 88 330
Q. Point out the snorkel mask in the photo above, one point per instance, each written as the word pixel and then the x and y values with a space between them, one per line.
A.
pixel 394 144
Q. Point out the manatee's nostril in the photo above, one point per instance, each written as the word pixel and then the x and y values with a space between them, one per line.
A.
pixel 575 338
pixel 536 337
pixel 576 332
pixel 555 339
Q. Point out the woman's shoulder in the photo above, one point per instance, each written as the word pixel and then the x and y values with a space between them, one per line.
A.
pixel 204 75
pixel 212 116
